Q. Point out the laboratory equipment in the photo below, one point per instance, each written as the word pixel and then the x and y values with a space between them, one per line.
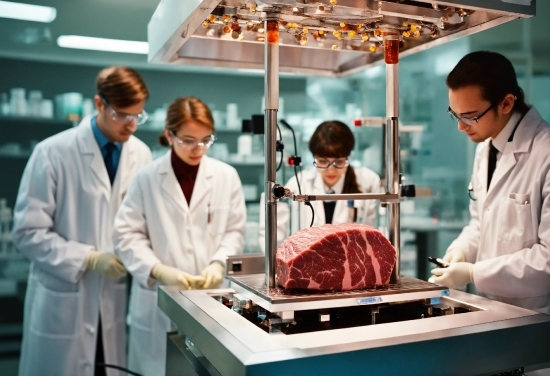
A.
pixel 407 327
pixel 6 217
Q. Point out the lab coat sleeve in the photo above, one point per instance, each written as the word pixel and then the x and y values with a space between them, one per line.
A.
pixel 232 242
pixel 523 274
pixel 283 219
pixel 131 235
pixel 34 232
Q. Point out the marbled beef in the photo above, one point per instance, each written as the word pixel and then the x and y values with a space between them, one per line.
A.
pixel 347 256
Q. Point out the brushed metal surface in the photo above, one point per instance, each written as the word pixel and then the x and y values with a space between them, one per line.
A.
pixel 496 338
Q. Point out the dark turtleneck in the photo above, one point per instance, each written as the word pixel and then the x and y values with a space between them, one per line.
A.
pixel 185 174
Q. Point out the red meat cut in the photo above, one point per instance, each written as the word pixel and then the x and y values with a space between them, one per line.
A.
pixel 340 257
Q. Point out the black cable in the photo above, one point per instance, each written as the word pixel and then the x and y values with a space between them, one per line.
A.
pixel 283 122
pixel 297 180
pixel 312 213
pixel 296 171
pixel 117 367
pixel 280 162
pixel 281 139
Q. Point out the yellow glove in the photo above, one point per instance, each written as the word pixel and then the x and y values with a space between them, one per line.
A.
pixel 213 275
pixel 454 255
pixel 455 276
pixel 106 264
pixel 170 276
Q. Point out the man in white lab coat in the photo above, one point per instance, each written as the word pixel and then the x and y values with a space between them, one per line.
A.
pixel 70 191
pixel 504 250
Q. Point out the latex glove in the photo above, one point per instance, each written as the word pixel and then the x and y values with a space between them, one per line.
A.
pixel 213 275
pixel 106 264
pixel 170 276
pixel 455 255
pixel 457 275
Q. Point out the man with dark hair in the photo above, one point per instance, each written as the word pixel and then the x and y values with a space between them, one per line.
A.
pixel 504 250
pixel 70 191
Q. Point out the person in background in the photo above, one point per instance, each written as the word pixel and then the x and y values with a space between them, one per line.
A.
pixel 504 250
pixel 182 216
pixel 71 188
pixel 331 145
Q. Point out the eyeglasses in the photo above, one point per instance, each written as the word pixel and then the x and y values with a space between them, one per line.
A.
pixel 467 120
pixel 325 164
pixel 122 118
pixel 191 143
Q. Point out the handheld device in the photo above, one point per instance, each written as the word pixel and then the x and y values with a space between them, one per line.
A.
pixel 441 264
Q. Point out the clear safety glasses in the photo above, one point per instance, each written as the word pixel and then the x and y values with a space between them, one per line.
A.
pixel 467 120
pixel 123 118
pixel 324 164
pixel 191 143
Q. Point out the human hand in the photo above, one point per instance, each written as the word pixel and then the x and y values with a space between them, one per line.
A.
pixel 171 276
pixel 454 255
pixel 213 275
pixel 106 264
pixel 457 275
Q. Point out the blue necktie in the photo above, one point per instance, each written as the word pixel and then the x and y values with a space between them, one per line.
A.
pixel 109 160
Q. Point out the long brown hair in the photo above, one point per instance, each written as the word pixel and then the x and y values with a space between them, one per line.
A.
pixel 121 86
pixel 334 139
pixel 185 109
pixel 493 73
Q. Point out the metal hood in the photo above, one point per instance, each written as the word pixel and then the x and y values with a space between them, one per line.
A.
pixel 327 37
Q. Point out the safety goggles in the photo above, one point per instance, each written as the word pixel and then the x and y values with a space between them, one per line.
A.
pixel 122 118
pixel 325 164
pixel 191 143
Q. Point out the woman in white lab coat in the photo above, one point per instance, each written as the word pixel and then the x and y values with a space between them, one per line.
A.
pixel 504 251
pixel 63 223
pixel 331 145
pixel 182 216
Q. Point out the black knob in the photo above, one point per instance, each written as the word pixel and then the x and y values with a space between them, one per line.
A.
pixel 408 191
pixel 278 191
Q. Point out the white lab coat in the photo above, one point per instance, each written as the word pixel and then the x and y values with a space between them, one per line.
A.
pixel 65 208
pixel 507 240
pixel 298 216
pixel 154 224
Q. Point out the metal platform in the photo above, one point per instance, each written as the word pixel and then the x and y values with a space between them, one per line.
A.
pixel 497 338
pixel 278 299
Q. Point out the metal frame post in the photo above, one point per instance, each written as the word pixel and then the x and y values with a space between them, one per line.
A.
pixel 393 183
pixel 271 63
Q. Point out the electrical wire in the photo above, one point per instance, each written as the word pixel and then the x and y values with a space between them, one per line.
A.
pixel 307 203
pixel 281 139
pixel 312 213
pixel 283 122
pixel 118 367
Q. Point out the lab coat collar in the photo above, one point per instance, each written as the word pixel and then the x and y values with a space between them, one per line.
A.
pixel 169 182
pixel 523 138
pixel 500 141
pixel 203 185
pixel 320 188
pixel 87 145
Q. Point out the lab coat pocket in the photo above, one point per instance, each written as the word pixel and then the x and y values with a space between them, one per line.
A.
pixel 217 221
pixel 54 314
pixel 515 224
pixel 142 308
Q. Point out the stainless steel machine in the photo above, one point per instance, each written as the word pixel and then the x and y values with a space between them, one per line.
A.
pixel 408 327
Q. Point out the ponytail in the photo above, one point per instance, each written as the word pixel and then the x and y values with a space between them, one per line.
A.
pixel 350 182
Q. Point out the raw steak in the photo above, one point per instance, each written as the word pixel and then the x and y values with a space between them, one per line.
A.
pixel 347 256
